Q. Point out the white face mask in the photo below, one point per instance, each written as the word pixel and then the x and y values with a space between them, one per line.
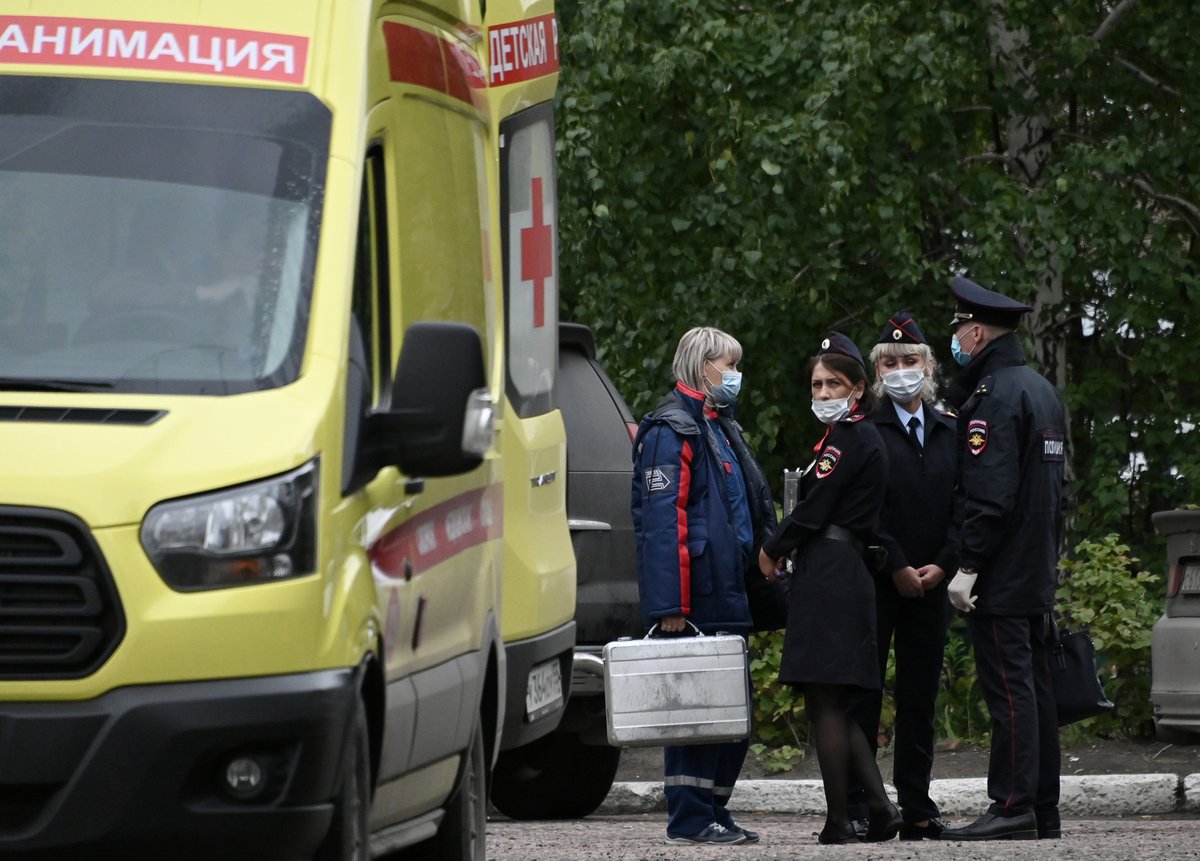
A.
pixel 833 410
pixel 904 385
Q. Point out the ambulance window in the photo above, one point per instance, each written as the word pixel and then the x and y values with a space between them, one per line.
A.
pixel 529 232
pixel 370 299
pixel 157 238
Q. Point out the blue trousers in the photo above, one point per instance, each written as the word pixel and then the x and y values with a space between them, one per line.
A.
pixel 699 780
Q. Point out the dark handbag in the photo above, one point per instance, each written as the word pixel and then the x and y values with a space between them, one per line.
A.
pixel 768 600
pixel 1078 692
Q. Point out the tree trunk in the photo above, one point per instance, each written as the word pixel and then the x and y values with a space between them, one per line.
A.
pixel 1028 150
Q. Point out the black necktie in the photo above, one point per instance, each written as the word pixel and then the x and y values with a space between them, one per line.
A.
pixel 913 424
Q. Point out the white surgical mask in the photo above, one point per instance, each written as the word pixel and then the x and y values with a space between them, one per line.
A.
pixel 904 385
pixel 833 410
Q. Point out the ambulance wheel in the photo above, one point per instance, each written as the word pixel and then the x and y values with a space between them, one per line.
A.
pixel 348 838
pixel 554 777
pixel 462 834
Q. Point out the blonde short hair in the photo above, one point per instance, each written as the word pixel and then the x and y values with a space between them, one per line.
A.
pixel 890 348
pixel 697 346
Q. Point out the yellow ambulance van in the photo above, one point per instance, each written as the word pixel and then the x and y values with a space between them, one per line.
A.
pixel 252 364
pixel 537 622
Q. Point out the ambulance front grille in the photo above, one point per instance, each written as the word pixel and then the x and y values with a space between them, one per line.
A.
pixel 60 616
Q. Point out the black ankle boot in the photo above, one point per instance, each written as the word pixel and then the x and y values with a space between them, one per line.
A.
pixel 885 824
pixel 837 833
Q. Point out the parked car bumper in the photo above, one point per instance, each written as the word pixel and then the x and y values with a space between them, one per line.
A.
pixel 527 662
pixel 1175 658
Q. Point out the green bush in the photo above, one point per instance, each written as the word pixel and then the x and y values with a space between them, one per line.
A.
pixel 779 718
pixel 1103 591
pixel 961 711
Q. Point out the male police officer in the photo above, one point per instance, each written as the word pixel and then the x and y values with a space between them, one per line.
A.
pixel 1010 496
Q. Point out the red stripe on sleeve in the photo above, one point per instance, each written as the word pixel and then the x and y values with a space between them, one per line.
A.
pixel 685 560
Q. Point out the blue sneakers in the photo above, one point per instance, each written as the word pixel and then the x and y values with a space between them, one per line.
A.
pixel 714 834
pixel 751 836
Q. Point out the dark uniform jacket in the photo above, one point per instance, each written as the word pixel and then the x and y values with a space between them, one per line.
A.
pixel 689 559
pixel 918 510
pixel 1011 490
pixel 831 630
pixel 844 487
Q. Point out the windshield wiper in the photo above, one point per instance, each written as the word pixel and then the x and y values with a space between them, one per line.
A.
pixel 33 384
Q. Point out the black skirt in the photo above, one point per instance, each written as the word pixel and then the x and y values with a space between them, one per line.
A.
pixel 830 637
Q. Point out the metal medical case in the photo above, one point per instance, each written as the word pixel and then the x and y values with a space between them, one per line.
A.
pixel 676 691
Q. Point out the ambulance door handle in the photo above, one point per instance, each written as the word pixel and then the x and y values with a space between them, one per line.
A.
pixel 544 479
pixel 588 526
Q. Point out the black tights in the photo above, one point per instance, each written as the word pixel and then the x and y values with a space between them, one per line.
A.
pixel 841 748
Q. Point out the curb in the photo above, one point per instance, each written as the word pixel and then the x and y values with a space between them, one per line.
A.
pixel 1081 795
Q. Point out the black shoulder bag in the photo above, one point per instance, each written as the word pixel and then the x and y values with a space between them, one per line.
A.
pixel 1078 692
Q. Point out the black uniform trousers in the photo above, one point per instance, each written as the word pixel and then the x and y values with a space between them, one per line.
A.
pixel 919 626
pixel 1012 659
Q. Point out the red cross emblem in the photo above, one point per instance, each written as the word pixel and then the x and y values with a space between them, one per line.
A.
pixel 537 263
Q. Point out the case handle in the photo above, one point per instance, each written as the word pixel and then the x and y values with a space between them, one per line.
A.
pixel 654 627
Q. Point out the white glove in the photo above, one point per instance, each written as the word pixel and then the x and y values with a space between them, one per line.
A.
pixel 960 590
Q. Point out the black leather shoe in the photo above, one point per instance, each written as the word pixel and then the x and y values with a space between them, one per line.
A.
pixel 1049 824
pixel 993 827
pixel 884 824
pixel 932 831
pixel 834 835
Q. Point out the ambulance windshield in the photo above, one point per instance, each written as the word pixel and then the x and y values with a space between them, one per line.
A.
pixel 156 237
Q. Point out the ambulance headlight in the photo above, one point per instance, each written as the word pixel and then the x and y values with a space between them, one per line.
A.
pixel 254 533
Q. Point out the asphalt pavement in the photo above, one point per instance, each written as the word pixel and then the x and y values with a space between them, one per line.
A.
pixel 793 838
pixel 1106 817
pixel 1100 795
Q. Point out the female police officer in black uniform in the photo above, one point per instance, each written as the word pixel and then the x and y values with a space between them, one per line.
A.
pixel 829 648
pixel 916 530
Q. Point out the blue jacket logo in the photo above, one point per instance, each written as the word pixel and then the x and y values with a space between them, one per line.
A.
pixel 656 480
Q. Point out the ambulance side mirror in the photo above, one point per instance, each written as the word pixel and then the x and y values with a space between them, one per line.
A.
pixel 440 420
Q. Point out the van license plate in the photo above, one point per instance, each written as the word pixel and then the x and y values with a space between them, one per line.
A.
pixel 1191 578
pixel 544 690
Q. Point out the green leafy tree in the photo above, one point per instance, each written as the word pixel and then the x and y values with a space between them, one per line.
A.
pixel 781 168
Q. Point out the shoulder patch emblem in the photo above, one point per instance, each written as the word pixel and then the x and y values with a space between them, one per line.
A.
pixel 1054 447
pixel 656 480
pixel 977 436
pixel 828 461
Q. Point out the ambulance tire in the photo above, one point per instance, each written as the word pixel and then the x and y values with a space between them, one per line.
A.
pixel 348 838
pixel 463 831
pixel 555 777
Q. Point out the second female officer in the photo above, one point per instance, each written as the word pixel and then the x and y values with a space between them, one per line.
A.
pixel 829 647
pixel 916 527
